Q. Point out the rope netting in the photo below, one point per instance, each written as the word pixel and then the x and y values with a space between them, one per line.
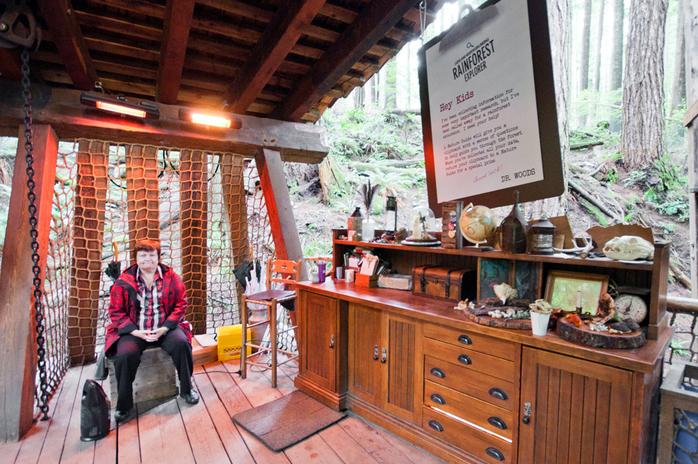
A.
pixel 207 210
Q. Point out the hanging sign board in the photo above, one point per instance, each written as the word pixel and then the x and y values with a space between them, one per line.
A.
pixel 488 107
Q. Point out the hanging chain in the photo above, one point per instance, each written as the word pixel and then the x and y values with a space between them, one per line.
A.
pixel 34 234
pixel 422 19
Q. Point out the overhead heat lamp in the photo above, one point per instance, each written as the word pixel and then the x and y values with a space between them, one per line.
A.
pixel 209 120
pixel 121 106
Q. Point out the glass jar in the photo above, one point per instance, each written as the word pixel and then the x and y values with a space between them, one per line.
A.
pixel 391 214
pixel 422 221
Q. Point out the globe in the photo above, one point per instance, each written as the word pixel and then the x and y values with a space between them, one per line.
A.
pixel 477 223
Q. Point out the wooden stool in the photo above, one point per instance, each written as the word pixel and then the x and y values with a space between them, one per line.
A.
pixel 156 378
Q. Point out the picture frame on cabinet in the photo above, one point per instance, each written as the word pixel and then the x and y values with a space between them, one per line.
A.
pixel 571 291
pixel 492 272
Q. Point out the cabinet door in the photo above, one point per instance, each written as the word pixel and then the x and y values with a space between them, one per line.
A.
pixel 364 353
pixel 578 411
pixel 403 379
pixel 319 339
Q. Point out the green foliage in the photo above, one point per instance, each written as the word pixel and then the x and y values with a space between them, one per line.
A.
pixel 601 217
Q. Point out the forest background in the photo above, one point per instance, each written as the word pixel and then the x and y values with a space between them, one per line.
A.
pixel 625 152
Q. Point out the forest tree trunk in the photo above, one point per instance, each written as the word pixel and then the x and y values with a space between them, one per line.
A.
pixel 559 24
pixel 584 64
pixel 642 125
pixel 391 84
pixel 594 109
pixel 617 59
pixel 691 35
pixel 678 89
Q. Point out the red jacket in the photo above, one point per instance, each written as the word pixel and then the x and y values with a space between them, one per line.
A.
pixel 124 307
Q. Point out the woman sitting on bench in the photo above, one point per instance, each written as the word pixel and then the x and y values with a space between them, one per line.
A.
pixel 146 309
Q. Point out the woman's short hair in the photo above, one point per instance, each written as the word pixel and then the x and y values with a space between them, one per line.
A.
pixel 148 245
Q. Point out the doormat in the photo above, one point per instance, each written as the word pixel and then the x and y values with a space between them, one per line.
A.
pixel 287 420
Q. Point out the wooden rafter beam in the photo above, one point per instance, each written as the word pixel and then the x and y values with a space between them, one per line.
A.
pixel 10 64
pixel 269 53
pixel 68 38
pixel 296 142
pixel 175 34
pixel 377 18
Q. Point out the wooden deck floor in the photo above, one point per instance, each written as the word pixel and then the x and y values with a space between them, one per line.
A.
pixel 175 432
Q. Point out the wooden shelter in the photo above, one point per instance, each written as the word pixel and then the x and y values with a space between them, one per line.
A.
pixel 272 66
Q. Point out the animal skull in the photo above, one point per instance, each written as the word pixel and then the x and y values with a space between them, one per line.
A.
pixel 629 247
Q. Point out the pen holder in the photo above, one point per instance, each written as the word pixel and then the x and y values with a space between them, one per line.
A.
pixel 363 280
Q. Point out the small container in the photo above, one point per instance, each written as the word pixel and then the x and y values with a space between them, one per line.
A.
pixel 349 275
pixel 339 273
pixel 230 341
pixel 321 272
pixel 391 214
pixel 539 323
pixel 354 221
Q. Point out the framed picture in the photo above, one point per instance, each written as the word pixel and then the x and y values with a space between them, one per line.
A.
pixel 570 290
pixel 492 272
pixel 527 279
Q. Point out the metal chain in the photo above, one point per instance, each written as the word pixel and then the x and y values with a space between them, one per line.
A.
pixel 422 19
pixel 34 234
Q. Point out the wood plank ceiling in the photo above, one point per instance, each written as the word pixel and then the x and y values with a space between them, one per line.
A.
pixel 289 60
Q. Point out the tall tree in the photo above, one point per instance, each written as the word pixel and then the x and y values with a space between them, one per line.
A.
pixel 642 125
pixel 678 89
pixel 597 66
pixel 559 20
pixel 617 55
pixel 586 35
pixel 391 84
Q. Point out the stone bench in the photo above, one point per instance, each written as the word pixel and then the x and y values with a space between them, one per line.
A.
pixel 156 379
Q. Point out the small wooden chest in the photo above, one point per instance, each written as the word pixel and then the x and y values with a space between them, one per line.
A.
pixel 444 282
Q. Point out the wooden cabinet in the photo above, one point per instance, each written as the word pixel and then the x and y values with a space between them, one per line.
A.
pixel 385 361
pixel 322 347
pixel 573 410
pixel 470 393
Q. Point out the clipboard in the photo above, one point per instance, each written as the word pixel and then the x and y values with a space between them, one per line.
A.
pixel 461 41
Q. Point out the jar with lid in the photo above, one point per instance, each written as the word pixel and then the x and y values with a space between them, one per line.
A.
pixel 354 221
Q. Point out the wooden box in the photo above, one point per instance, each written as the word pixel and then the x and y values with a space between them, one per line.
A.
pixel 363 280
pixel 155 382
pixel 444 282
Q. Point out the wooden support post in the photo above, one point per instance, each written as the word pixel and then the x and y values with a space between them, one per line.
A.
pixel 18 355
pixel 234 199
pixel 194 207
pixel 143 195
pixel 283 224
pixel 88 234
pixel 691 34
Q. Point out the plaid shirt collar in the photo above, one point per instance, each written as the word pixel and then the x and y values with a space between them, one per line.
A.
pixel 150 300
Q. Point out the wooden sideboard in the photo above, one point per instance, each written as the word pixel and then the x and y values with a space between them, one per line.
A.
pixel 471 393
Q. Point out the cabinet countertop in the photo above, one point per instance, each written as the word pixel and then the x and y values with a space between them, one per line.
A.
pixel 442 312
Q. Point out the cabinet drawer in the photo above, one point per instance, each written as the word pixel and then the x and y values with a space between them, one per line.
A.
pixel 482 343
pixel 471 360
pixel 478 412
pixel 481 444
pixel 473 383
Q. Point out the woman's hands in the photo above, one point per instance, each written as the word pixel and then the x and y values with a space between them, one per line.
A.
pixel 150 335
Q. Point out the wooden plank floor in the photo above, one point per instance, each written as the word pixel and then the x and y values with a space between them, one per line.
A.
pixel 176 432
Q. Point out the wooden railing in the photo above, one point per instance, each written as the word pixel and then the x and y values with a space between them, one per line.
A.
pixel 684 314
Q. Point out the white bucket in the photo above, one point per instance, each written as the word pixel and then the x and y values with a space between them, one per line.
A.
pixel 539 323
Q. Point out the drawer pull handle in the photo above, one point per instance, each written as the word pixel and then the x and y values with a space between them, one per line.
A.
pixel 384 357
pixel 495 453
pixel 331 341
pixel 436 398
pixel 436 426
pixel 464 339
pixel 375 353
pixel 498 393
pixel 497 422
pixel 464 359
pixel 436 372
